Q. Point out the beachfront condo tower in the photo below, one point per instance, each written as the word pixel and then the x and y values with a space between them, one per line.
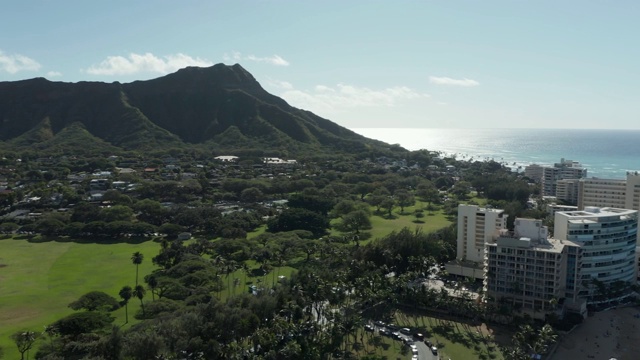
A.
pixel 607 238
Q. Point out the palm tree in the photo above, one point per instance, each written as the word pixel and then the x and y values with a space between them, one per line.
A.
pixel 24 340
pixel 126 293
pixel 137 258
pixel 139 292
pixel 245 271
pixel 152 281
pixel 546 337
pixel 230 267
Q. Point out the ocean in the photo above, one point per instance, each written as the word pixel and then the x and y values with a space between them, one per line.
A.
pixel 605 154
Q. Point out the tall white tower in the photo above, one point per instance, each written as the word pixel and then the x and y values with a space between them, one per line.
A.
pixel 477 226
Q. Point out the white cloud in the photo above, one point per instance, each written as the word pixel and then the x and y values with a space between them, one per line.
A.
pixel 454 82
pixel 278 84
pixel 325 99
pixel 234 56
pixel 54 74
pixel 273 60
pixel 136 63
pixel 12 63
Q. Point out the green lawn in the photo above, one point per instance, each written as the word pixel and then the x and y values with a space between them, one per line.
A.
pixel 382 225
pixel 375 344
pixel 455 339
pixel 39 280
pixel 245 280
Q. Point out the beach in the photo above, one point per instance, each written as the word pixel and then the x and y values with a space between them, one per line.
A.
pixel 608 334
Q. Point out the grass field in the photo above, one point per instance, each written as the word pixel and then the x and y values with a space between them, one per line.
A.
pixel 39 280
pixel 455 339
pixel 382 226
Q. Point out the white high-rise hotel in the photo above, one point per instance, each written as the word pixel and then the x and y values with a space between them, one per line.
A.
pixel 476 227
pixel 607 237
pixel 624 194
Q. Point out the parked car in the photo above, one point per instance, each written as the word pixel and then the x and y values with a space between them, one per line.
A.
pixel 434 350
pixel 392 327
pixel 379 323
pixel 368 327
pixel 405 331
pixel 428 343
pixel 418 336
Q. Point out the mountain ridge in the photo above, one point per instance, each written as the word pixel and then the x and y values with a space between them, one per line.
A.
pixel 193 105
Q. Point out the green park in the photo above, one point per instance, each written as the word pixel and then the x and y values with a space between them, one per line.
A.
pixel 40 277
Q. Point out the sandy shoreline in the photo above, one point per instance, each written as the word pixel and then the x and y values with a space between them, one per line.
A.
pixel 605 335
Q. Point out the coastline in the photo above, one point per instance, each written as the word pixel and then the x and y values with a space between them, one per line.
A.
pixel 606 154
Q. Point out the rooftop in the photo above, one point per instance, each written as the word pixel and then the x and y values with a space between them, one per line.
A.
pixel 549 245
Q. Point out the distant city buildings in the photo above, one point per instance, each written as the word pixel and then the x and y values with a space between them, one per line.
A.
pixel 564 170
pixel 534 172
pixel 602 193
pixel 624 194
pixel 567 190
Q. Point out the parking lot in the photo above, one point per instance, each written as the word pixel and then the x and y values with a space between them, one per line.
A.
pixel 418 348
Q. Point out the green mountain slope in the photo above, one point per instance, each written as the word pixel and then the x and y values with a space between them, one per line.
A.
pixel 221 106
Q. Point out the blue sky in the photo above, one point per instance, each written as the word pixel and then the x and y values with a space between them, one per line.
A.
pixel 362 64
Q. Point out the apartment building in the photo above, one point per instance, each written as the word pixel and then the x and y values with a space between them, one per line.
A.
pixel 530 272
pixel 615 193
pixel 602 193
pixel 476 227
pixel 564 170
pixel 632 194
pixel 591 260
pixel 607 238
pixel 534 172
pixel 567 190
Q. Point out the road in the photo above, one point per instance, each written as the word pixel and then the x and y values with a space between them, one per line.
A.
pixel 424 352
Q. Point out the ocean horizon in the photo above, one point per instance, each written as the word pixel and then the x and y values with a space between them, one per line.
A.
pixel 607 154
